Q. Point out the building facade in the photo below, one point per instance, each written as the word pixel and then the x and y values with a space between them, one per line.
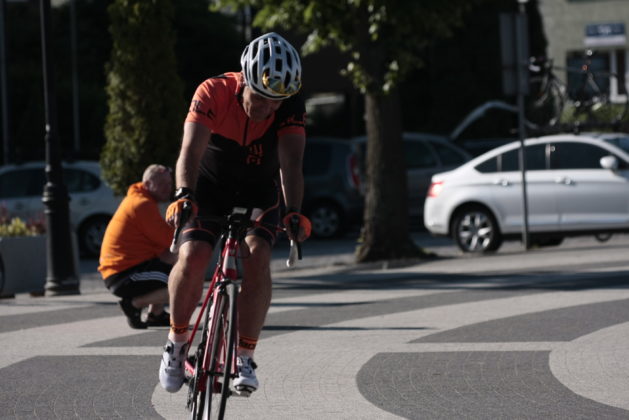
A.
pixel 596 27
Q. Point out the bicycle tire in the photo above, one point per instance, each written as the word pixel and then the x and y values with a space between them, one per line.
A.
pixel 196 395
pixel 547 109
pixel 196 392
pixel 223 350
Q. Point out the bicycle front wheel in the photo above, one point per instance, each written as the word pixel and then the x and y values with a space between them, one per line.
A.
pixel 222 363
pixel 197 388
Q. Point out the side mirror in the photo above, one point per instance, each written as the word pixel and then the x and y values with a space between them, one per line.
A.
pixel 609 162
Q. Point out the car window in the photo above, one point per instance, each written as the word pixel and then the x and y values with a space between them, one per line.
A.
pixel 510 161
pixel 572 155
pixel 448 155
pixel 317 158
pixel 488 166
pixel 620 142
pixel 22 183
pixel 536 157
pixel 418 155
pixel 78 180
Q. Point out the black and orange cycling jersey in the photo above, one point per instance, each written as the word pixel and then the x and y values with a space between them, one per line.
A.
pixel 240 166
pixel 241 152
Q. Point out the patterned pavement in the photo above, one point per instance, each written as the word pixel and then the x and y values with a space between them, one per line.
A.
pixel 518 335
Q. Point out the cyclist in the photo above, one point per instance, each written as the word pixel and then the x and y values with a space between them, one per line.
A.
pixel 135 260
pixel 243 129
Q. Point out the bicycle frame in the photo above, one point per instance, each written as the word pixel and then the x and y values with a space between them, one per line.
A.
pixel 213 365
pixel 215 356
pixel 217 349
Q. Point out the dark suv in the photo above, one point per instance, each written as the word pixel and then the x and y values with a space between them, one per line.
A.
pixel 332 199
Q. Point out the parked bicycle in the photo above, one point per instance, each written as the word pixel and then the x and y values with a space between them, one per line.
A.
pixel 212 367
pixel 591 104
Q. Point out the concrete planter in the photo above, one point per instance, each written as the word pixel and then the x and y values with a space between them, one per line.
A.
pixel 22 265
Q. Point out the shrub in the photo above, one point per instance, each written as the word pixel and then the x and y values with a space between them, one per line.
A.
pixel 144 91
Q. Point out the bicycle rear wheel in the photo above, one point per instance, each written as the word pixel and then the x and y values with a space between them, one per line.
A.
pixel 222 366
pixel 547 107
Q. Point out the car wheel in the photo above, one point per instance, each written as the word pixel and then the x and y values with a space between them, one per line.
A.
pixel 326 219
pixel 91 235
pixel 475 230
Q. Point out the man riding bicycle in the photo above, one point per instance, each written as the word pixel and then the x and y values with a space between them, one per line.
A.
pixel 242 131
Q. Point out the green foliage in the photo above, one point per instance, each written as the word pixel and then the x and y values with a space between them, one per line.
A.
pixel 385 39
pixel 608 113
pixel 145 94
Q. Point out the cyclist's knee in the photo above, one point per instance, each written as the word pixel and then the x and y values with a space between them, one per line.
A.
pixel 260 252
pixel 194 257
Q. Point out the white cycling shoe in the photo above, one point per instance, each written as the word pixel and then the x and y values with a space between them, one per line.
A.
pixel 171 368
pixel 246 382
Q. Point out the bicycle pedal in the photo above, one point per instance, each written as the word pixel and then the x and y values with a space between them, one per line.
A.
pixel 243 391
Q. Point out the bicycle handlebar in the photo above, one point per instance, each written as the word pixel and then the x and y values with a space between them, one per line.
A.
pixel 236 218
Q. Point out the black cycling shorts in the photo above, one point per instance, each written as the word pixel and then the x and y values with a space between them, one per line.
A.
pixel 140 279
pixel 216 202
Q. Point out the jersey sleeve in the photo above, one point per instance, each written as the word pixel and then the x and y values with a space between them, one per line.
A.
pixel 292 117
pixel 203 105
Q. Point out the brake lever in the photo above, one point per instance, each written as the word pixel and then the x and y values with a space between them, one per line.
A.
pixel 295 247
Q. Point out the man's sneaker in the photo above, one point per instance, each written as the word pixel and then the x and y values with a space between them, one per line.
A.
pixel 171 369
pixel 161 320
pixel 132 313
pixel 246 381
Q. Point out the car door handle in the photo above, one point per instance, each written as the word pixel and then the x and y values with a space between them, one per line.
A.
pixel 502 182
pixel 564 180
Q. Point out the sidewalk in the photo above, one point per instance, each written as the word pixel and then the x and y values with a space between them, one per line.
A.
pixel 537 334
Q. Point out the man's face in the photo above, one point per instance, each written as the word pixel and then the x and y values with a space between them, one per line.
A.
pixel 258 108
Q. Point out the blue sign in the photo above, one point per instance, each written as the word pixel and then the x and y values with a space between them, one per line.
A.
pixel 605 34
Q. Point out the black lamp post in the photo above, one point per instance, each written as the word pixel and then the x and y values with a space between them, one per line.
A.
pixel 61 278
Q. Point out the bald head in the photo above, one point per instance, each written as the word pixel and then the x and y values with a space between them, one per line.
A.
pixel 158 181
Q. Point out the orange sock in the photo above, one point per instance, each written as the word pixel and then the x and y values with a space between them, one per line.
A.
pixel 178 333
pixel 247 345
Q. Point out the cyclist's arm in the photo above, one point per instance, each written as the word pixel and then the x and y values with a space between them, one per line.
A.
pixel 291 152
pixel 195 140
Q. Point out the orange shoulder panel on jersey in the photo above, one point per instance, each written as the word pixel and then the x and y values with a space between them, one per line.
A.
pixel 292 125
pixel 210 95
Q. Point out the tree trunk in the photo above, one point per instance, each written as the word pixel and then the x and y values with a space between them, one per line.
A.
pixel 385 233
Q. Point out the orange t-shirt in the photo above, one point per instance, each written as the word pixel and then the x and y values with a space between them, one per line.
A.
pixel 136 233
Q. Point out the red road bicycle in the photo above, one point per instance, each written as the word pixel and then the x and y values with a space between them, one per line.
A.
pixel 212 367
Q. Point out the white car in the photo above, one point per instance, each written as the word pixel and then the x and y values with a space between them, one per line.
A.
pixel 92 202
pixel 576 185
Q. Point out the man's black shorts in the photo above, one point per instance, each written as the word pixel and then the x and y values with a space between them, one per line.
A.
pixel 140 279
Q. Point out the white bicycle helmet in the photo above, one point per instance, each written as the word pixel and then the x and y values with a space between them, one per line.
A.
pixel 271 67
